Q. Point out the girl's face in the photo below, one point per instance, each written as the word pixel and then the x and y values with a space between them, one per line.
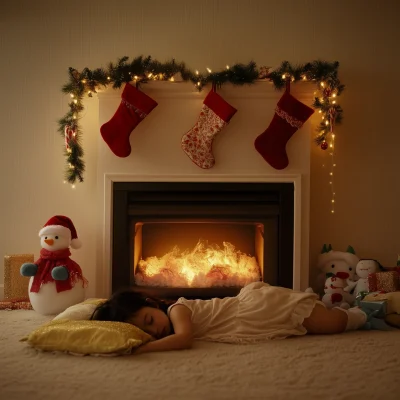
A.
pixel 153 321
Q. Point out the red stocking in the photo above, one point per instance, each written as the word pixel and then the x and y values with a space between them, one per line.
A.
pixel 134 107
pixel 214 115
pixel 290 114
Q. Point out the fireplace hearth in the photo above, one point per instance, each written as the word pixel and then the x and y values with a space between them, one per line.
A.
pixel 148 218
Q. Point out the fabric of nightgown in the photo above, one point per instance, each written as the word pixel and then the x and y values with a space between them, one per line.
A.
pixel 260 312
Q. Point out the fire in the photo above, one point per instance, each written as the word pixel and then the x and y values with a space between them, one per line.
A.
pixel 204 266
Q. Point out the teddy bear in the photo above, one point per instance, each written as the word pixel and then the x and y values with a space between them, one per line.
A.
pixel 341 264
pixel 335 296
pixel 363 268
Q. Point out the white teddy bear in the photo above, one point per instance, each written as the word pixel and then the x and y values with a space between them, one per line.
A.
pixel 335 296
pixel 363 269
pixel 341 264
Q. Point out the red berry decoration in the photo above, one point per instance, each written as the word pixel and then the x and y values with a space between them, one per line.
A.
pixel 324 145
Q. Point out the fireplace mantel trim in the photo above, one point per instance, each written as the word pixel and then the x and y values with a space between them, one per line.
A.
pixel 300 270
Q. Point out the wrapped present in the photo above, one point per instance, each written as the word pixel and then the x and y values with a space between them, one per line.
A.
pixel 21 303
pixel 388 281
pixel 378 308
pixel 15 285
pixel 392 301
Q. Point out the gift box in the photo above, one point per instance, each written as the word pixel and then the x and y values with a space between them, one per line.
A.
pixel 16 304
pixel 15 285
pixel 388 281
pixel 371 306
pixel 392 301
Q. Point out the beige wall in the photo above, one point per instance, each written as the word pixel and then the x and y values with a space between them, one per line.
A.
pixel 39 44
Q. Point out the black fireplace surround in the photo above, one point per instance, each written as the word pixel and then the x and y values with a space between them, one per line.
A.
pixel 270 204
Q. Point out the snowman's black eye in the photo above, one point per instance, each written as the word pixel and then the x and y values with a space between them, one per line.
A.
pixel 333 265
pixel 45 237
pixel 56 237
pixel 350 269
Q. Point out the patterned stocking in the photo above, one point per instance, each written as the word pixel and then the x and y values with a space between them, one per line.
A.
pixel 197 142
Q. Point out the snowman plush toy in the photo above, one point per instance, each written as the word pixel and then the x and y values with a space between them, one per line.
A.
pixel 56 281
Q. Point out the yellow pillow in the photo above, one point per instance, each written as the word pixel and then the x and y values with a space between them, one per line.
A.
pixel 87 337
pixel 80 311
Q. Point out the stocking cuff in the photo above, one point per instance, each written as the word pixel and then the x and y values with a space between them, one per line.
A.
pixel 138 99
pixel 293 111
pixel 219 106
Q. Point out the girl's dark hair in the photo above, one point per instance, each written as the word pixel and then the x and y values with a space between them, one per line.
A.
pixel 123 304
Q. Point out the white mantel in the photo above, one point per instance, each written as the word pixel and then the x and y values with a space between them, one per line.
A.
pixel 157 156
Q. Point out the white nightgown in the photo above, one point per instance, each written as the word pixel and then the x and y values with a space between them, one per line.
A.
pixel 258 313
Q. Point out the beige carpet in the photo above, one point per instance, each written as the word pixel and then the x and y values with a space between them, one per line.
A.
pixel 358 365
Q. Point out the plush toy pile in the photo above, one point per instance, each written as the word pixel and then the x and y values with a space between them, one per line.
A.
pixel 350 281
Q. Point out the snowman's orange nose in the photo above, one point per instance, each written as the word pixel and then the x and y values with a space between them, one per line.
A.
pixel 50 242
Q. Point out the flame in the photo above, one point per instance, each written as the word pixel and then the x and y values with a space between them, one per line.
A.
pixel 204 266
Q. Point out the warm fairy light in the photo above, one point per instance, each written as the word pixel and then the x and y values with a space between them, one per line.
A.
pixel 331 145
pixel 89 92
pixel 197 72
pixel 322 84
pixel 326 122
pixel 150 75
pixel 73 186
pixel 75 101
pixel 334 95
pixel 284 76
pixel 227 67
pixel 83 80
pixel 172 79
pixel 74 117
pixel 209 70
pixel 304 78
pixel 72 95
pixel 334 102
pixel 198 83
pixel 135 77
pixel 108 78
pixel 320 111
pixel 203 266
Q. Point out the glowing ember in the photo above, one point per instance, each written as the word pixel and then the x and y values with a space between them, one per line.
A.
pixel 204 266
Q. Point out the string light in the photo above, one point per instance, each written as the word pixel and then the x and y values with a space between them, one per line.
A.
pixel 88 82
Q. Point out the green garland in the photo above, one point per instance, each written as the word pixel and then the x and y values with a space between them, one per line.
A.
pixel 143 69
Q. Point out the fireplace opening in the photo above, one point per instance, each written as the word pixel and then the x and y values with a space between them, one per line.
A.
pixel 185 254
pixel 201 240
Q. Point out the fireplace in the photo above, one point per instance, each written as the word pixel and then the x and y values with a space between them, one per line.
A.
pixel 254 220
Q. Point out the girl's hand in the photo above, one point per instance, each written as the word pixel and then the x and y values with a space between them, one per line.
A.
pixel 180 317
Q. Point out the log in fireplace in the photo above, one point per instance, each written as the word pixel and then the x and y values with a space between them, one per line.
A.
pixel 150 218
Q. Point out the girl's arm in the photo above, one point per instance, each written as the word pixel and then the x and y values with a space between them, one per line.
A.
pixel 180 317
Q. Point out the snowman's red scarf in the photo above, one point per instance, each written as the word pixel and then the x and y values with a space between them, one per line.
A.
pixel 50 259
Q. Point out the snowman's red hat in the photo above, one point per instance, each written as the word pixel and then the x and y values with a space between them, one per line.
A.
pixel 59 224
